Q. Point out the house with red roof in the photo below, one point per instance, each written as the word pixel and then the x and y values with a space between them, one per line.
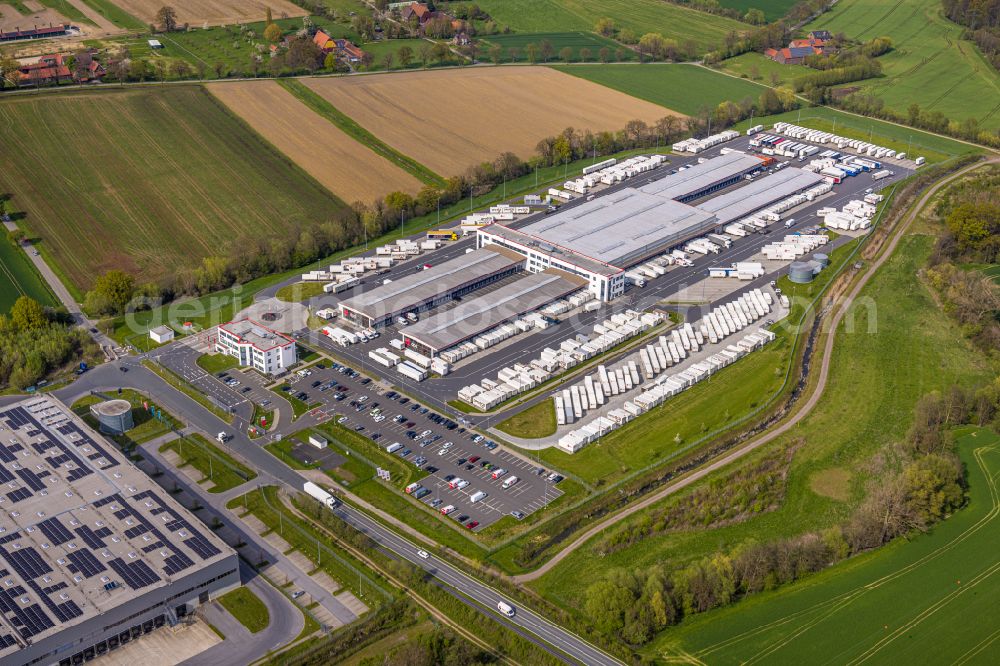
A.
pixel 347 50
pixel 324 41
pixel 54 68
pixel 797 51
pixel 419 10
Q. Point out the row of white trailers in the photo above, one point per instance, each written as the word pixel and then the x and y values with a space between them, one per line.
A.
pixel 859 146
pixel 608 334
pixel 612 173
pixel 347 269
pixel 773 213
pixel 523 324
pixel 663 388
pixel 413 364
pixel 657 357
pixel 699 145
pixel 794 245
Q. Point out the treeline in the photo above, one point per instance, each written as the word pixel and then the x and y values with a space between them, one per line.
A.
pixel 745 492
pixel 973 14
pixel 35 342
pixel 869 105
pixel 651 45
pixel 116 292
pixel 813 83
pixel 971 217
pixel 918 484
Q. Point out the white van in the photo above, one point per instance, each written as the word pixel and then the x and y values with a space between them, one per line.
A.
pixel 476 496
pixel 392 448
pixel 506 609
pixel 509 482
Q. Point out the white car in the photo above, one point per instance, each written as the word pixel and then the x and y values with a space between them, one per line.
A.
pixel 423 554
pixel 442 451
pixel 379 419
pixel 342 419
pixel 447 445
pixel 463 483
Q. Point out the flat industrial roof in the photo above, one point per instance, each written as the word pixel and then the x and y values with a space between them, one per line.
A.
pixel 261 337
pixel 413 290
pixel 615 227
pixel 81 529
pixel 470 318
pixel 760 193
pixel 700 176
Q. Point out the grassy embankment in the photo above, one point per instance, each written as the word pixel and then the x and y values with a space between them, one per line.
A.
pixel 896 347
pixel 247 608
pixel 217 467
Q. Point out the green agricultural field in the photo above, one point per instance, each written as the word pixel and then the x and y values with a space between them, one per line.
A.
pixel 682 88
pixel 773 9
pixel 640 16
pixel 147 180
pixel 559 40
pixel 770 72
pixel 18 277
pixel 65 8
pixel 897 347
pixel 116 15
pixel 930 64
pixel 930 599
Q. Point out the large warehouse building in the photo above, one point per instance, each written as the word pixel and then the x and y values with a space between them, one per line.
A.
pixel 92 553
pixel 429 288
pixel 599 239
pixel 451 327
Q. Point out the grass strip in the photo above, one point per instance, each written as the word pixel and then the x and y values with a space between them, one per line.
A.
pixel 359 133
pixel 116 15
pixel 218 466
pixel 247 608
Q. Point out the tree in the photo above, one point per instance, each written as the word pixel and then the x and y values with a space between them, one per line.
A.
pixel 9 71
pixel 566 54
pixel 514 53
pixel 604 54
pixel 496 54
pixel 619 54
pixel 425 54
pixel 605 26
pixel 755 72
pixel 167 18
pixel 933 487
pixel 546 50
pixel 28 314
pixel 387 60
pixel 272 33
pixel 532 52
pixel 652 44
pixel 405 55
pixel 754 17
pixel 219 68
pixel 267 17
pixel 113 291
pixel 440 52
pixel 585 54
pixel 367 59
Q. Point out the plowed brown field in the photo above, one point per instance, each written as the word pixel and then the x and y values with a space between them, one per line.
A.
pixel 345 167
pixel 213 12
pixel 451 119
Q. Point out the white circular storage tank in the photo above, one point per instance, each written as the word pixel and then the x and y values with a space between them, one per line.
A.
pixel 113 416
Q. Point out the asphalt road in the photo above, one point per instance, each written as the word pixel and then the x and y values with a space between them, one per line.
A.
pixel 552 637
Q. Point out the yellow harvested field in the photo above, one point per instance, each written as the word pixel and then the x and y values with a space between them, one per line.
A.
pixel 450 119
pixel 213 12
pixel 344 166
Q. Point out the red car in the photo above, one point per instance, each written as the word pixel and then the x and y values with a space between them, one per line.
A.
pixel 472 524
pixel 473 459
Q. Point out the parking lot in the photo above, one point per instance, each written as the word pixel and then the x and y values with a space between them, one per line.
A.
pixel 432 442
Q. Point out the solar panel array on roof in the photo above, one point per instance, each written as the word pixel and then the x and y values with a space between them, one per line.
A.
pixel 83 562
pixel 136 575
pixel 55 531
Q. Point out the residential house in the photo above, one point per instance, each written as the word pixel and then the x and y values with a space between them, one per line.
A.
pixel 797 50
pixel 462 39
pixel 348 51
pixel 823 35
pixel 419 10
pixel 325 42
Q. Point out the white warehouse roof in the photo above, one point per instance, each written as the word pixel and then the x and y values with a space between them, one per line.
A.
pixel 761 193
pixel 701 176
pixel 620 227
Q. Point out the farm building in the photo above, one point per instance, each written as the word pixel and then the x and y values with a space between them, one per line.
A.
pixel 256 346
pixel 799 49
pixel 428 288
pixel 96 554
pixel 44 32
pixel 54 68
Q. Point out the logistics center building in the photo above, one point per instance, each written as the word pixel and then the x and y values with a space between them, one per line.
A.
pixel 468 319
pixel 257 346
pixel 92 553
pixel 429 288
pixel 599 239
